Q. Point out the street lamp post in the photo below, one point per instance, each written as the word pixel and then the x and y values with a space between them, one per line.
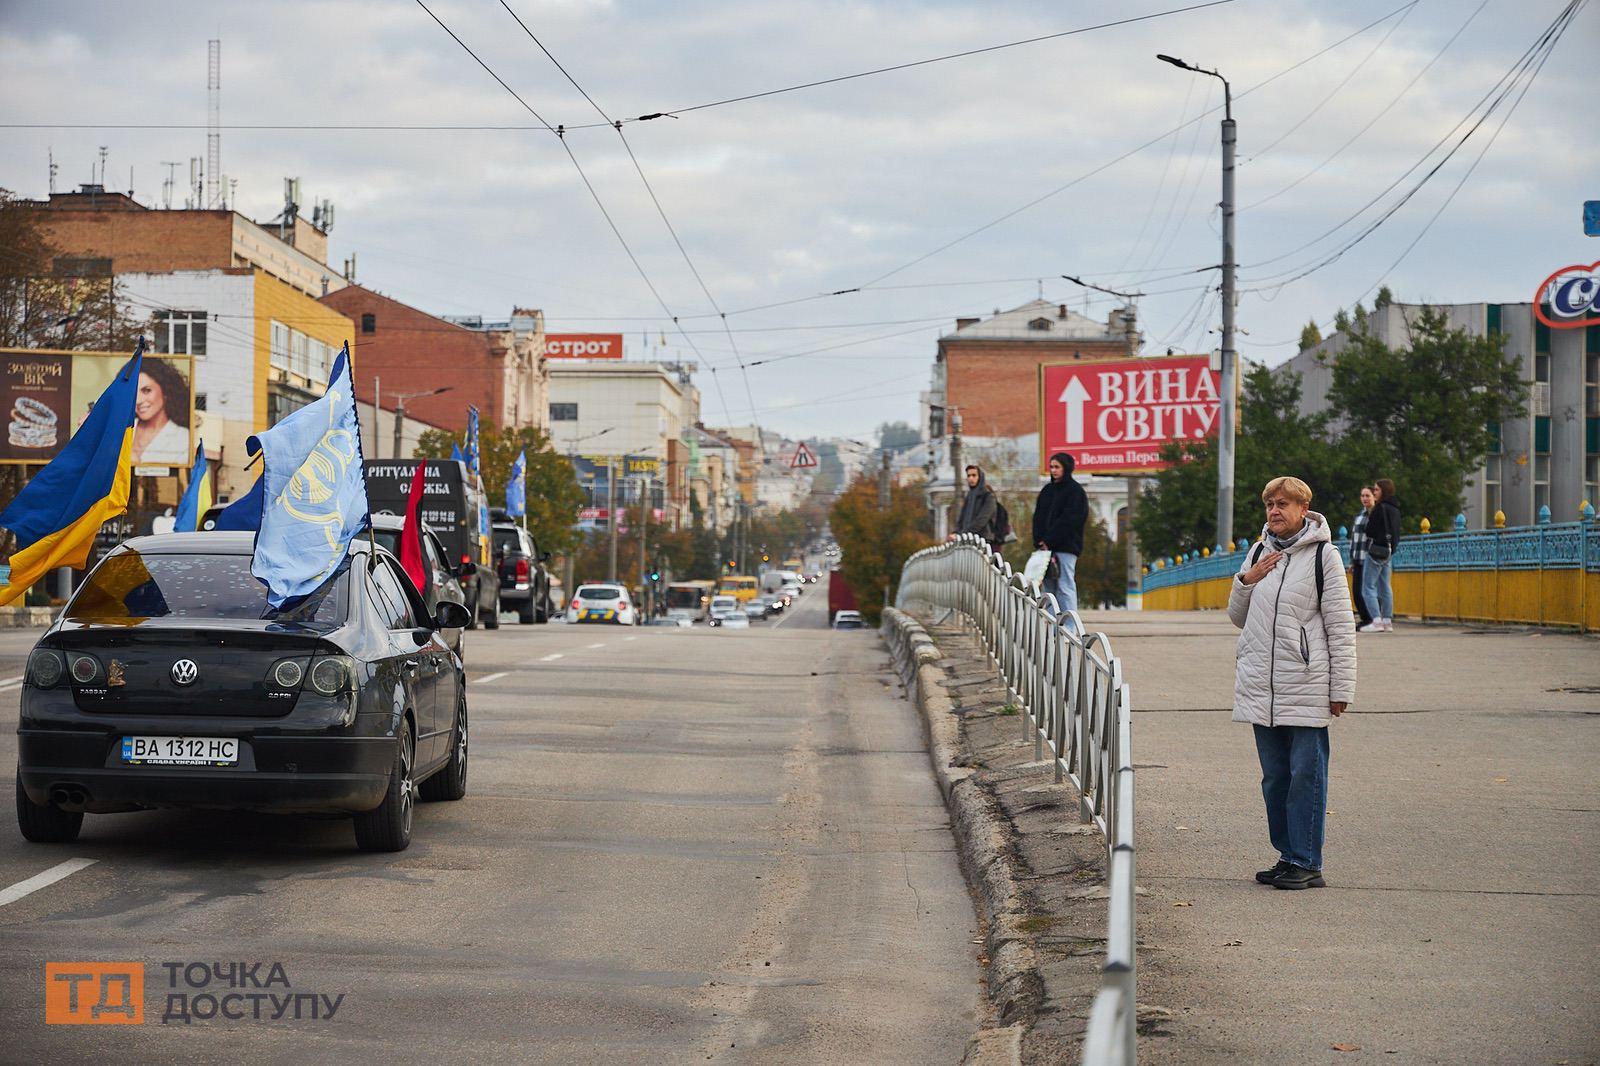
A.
pixel 1227 426
pixel 400 399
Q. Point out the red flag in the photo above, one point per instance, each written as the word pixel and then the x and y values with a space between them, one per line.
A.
pixel 411 533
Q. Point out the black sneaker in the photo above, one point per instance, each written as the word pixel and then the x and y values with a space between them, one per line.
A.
pixel 1297 877
pixel 1266 877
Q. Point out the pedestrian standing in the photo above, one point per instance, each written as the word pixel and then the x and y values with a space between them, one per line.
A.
pixel 1358 552
pixel 1059 516
pixel 1296 672
pixel 1383 540
pixel 978 509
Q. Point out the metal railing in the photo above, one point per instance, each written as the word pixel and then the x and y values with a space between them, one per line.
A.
pixel 1074 703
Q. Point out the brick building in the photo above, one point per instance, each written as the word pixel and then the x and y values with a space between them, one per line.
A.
pixel 501 371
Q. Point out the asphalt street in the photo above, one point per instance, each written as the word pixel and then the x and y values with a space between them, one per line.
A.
pixel 677 846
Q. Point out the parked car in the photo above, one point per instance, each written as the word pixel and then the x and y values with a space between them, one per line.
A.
pixel 733 621
pixel 756 610
pixel 168 682
pixel 445 585
pixel 602 602
pixel 524 582
pixel 721 608
pixel 848 620
pixel 453 503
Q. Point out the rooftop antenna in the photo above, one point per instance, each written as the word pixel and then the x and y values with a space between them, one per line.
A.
pixel 233 193
pixel 104 151
pixel 195 183
pixel 169 184
pixel 213 120
pixel 54 167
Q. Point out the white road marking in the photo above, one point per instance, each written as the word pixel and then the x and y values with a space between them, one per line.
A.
pixel 44 880
pixel 593 646
pixel 10 683
pixel 493 677
pixel 630 638
pixel 552 657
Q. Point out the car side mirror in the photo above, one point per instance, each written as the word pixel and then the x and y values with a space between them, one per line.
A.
pixel 451 615
pixel 468 568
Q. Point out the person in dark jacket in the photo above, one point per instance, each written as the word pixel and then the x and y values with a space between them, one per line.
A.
pixel 978 508
pixel 1383 539
pixel 1059 516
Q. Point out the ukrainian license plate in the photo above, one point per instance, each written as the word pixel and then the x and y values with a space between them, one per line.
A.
pixel 180 751
pixel 603 616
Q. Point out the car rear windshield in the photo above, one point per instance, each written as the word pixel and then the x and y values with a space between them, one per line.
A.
pixel 505 540
pixel 389 539
pixel 131 586
pixel 598 592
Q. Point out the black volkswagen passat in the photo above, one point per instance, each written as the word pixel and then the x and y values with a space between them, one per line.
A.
pixel 169 682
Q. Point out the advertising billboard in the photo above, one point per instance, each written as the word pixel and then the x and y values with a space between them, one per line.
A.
pixel 1569 298
pixel 45 396
pixel 583 345
pixel 1114 417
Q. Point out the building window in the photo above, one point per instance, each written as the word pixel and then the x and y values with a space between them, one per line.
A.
pixel 1541 333
pixel 369 323
pixel 179 332
pixel 299 353
pixel 70 266
pixel 280 346
pixel 321 360
pixel 1039 324
pixel 1493 317
pixel 563 412
pixel 1492 500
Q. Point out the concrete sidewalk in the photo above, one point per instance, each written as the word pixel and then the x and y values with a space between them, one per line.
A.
pixel 1461 922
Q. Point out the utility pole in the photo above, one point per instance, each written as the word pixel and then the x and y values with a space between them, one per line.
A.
pixel 644 525
pixel 399 424
pixel 611 516
pixel 883 505
pixel 1226 427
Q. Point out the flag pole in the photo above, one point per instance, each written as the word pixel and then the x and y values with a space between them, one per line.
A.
pixel 377 400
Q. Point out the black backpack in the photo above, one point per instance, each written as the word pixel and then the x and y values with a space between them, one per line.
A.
pixel 1261 545
pixel 1001 526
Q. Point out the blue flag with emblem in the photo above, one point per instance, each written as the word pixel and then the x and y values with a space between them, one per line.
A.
pixel 314 494
pixel 472 438
pixel 517 487
pixel 456 454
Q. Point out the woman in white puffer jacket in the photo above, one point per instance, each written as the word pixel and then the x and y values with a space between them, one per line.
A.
pixel 1296 672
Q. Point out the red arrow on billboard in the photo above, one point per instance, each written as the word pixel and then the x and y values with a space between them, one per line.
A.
pixel 802 458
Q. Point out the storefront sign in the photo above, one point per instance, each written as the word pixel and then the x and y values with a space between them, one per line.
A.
pixel 1115 417
pixel 45 396
pixel 1569 298
pixel 583 345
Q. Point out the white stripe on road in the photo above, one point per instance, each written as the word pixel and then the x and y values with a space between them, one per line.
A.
pixel 493 677
pixel 552 657
pixel 593 646
pixel 44 880
pixel 629 638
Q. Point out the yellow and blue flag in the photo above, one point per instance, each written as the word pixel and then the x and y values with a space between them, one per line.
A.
pixel 314 491
pixel 517 487
pixel 197 497
pixel 57 514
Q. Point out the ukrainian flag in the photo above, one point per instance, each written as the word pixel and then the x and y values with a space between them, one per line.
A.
pixel 197 498
pixel 57 514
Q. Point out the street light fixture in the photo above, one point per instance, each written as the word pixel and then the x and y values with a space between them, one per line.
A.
pixel 400 399
pixel 1227 423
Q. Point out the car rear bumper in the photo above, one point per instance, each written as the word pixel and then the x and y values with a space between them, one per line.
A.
pixel 312 775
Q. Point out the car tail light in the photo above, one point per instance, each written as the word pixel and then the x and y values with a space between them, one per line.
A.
pixel 85 669
pixel 45 669
pixel 332 674
pixel 522 570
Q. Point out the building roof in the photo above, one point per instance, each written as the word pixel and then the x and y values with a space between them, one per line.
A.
pixel 1036 320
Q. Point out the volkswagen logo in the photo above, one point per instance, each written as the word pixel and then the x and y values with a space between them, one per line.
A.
pixel 184 672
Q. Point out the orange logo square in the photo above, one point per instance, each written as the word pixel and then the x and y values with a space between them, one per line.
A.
pixel 94 993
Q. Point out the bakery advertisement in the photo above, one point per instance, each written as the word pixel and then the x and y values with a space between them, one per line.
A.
pixel 36 404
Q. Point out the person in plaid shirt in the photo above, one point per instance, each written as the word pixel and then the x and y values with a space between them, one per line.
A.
pixel 1358 553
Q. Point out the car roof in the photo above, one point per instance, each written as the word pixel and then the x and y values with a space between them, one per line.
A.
pixel 603 585
pixel 214 542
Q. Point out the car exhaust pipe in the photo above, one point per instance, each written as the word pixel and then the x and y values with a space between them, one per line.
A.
pixel 60 796
pixel 80 797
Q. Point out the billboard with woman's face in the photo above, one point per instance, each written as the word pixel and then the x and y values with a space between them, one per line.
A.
pixel 46 395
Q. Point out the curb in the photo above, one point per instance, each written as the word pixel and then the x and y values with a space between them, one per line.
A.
pixel 1014 986
pixel 26 617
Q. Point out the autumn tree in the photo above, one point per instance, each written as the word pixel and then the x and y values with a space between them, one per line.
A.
pixel 876 540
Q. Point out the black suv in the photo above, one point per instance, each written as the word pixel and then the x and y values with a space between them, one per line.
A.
pixel 524 582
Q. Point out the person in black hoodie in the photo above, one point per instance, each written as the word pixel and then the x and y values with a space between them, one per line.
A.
pixel 978 508
pixel 1383 540
pixel 1058 520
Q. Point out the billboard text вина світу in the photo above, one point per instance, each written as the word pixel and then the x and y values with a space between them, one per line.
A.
pixel 1114 417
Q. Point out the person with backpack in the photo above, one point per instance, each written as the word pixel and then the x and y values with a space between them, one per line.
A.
pixel 1059 516
pixel 1383 540
pixel 1295 673
pixel 981 512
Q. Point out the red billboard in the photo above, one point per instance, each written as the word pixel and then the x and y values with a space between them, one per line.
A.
pixel 583 345
pixel 1114 417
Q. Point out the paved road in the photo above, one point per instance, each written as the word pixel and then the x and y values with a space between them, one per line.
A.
pixel 678 846
pixel 1462 919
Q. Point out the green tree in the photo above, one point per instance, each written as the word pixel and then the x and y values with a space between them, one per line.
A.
pixel 1310 336
pixel 875 541
pixel 1423 414
pixel 893 435
pixel 553 495
pixel 1102 568
pixel 1383 299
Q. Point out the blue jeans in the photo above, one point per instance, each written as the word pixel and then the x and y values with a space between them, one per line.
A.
pixel 1066 588
pixel 1294 782
pixel 1375 587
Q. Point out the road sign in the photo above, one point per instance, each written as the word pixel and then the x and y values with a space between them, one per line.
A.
pixel 1114 417
pixel 802 458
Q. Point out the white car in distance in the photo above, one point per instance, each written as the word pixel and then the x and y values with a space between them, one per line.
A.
pixel 603 602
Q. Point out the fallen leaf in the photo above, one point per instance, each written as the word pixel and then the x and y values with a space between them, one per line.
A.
pixel 1345 1047
pixel 1183 829
pixel 1501 780
pixel 1184 903
pixel 1234 944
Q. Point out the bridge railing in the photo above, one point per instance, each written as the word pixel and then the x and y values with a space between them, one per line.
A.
pixel 1074 704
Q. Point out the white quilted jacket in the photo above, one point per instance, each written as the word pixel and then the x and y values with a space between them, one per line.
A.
pixel 1293 659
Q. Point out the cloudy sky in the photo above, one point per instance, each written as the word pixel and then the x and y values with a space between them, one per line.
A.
pixel 877 182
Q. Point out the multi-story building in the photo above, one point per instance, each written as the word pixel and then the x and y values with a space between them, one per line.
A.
pixel 985 387
pixel 713 476
pixel 1546 456
pixel 408 353
pixel 615 407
